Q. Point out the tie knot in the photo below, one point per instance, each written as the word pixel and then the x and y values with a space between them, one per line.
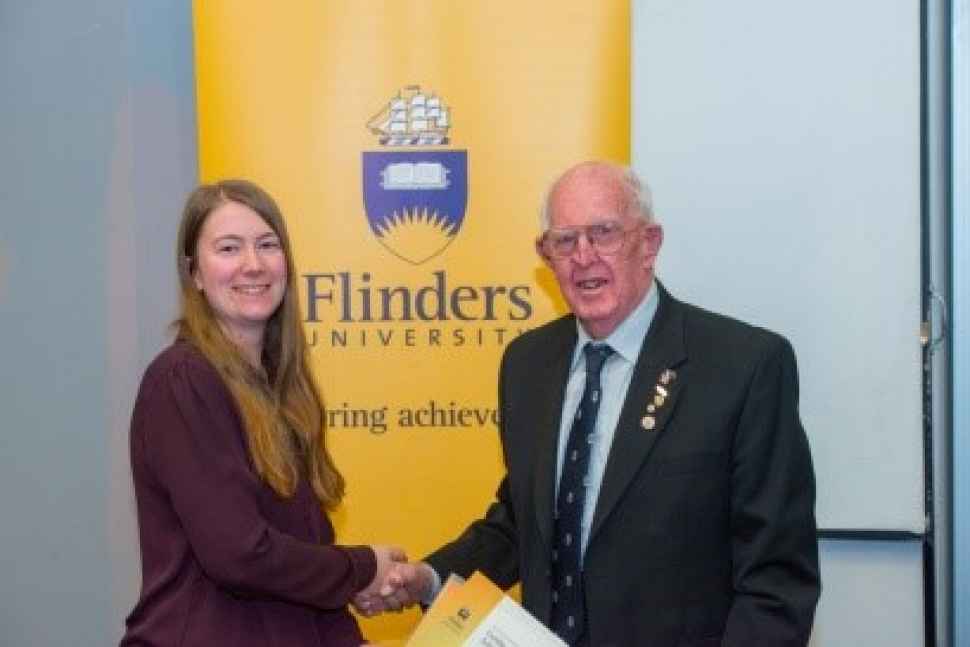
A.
pixel 596 356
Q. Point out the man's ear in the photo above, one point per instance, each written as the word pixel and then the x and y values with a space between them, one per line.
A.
pixel 653 238
pixel 542 253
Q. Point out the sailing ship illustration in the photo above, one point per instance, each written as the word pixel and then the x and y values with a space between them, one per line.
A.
pixel 412 118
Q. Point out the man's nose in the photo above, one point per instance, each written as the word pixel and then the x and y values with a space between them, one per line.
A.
pixel 585 253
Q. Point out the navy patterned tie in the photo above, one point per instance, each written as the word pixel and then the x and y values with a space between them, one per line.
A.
pixel 568 605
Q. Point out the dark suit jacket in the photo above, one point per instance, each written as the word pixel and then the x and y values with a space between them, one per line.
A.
pixel 704 532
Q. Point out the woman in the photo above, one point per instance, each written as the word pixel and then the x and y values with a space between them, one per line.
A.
pixel 231 473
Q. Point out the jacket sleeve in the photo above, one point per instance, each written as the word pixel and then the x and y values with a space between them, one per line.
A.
pixel 196 450
pixel 488 545
pixel 773 532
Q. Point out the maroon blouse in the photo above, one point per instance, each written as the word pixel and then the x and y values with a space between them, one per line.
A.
pixel 225 561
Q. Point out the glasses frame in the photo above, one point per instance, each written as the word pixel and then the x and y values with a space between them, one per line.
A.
pixel 545 249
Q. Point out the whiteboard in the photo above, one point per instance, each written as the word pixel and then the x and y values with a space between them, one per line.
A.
pixel 782 141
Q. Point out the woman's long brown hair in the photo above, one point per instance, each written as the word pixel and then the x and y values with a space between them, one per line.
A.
pixel 280 406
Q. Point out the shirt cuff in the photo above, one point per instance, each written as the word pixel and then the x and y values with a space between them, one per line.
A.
pixel 435 588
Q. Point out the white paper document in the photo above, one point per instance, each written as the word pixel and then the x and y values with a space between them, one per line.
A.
pixel 476 613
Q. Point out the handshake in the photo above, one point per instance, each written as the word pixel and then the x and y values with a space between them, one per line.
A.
pixel 397 584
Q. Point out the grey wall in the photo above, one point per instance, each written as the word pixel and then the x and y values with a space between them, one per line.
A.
pixel 871 595
pixel 97 133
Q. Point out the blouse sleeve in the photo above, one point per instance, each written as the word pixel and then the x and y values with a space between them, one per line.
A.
pixel 195 448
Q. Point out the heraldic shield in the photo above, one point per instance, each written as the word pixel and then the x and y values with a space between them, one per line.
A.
pixel 415 200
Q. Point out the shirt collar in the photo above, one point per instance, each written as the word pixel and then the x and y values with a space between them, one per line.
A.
pixel 627 338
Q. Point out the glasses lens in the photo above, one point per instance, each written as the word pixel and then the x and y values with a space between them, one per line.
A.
pixel 561 243
pixel 606 238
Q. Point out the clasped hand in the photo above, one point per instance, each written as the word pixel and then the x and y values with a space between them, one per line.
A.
pixel 397 584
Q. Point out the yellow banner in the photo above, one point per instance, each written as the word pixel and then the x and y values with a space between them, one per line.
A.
pixel 409 144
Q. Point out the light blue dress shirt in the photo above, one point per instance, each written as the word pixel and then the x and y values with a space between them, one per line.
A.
pixel 626 341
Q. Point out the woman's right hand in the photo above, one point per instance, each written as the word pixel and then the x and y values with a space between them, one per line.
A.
pixel 404 585
pixel 368 600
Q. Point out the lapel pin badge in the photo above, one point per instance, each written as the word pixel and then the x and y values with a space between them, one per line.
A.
pixel 649 421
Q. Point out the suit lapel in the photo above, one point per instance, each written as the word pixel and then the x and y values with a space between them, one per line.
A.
pixel 550 394
pixel 663 352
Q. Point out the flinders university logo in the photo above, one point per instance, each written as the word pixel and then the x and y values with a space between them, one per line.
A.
pixel 415 197
pixel 415 193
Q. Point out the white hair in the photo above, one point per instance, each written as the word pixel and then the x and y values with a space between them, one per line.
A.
pixel 638 190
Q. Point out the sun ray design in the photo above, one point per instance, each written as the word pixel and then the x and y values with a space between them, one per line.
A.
pixel 417 234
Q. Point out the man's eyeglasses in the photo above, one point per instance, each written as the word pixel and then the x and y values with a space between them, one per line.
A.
pixel 605 237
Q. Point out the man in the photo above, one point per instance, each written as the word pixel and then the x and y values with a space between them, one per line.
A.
pixel 659 487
